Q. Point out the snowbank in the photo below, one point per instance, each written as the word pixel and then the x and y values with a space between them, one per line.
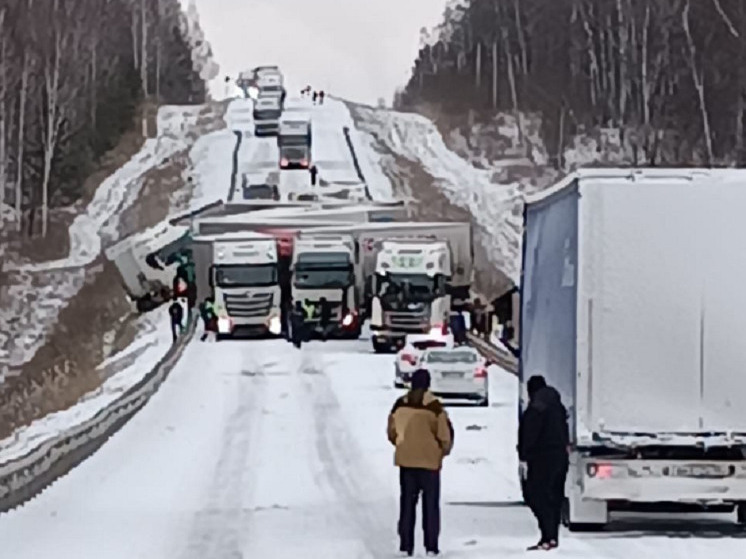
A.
pixel 496 207
pixel 151 345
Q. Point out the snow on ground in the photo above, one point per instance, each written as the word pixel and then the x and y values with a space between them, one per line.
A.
pixel 255 449
pixel 151 344
pixel 35 293
pixel 495 207
pixel 211 164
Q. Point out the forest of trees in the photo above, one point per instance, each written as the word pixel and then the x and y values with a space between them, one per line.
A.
pixel 669 75
pixel 73 76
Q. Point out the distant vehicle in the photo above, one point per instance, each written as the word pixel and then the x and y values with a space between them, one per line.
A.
pixel 457 372
pixel 267 112
pixel 408 358
pixel 261 191
pixel 295 157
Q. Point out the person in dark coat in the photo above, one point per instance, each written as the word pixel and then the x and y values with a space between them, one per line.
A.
pixel 325 318
pixel 457 324
pixel 419 428
pixel 209 318
pixel 314 173
pixel 321 97
pixel 176 312
pixel 297 325
pixel 543 443
pixel 315 96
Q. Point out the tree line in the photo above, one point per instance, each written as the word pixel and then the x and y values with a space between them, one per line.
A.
pixel 668 75
pixel 73 76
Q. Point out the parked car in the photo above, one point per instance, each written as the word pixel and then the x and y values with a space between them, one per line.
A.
pixel 260 192
pixel 457 372
pixel 408 358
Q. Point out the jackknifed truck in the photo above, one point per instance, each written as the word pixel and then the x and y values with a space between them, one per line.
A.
pixel 633 307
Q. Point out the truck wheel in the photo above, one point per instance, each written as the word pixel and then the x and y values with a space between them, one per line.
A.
pixel 484 403
pixel 741 514
pixel 379 347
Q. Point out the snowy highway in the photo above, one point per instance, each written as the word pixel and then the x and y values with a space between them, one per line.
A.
pixel 256 449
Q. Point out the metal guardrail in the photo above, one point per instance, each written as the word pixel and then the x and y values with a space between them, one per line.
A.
pixel 24 477
pixel 498 356
pixel 234 170
pixel 355 161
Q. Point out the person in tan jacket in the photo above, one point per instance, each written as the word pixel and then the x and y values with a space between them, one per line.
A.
pixel 422 433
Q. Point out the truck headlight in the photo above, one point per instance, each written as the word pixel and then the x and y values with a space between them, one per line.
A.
pixel 347 320
pixel 224 325
pixel 275 325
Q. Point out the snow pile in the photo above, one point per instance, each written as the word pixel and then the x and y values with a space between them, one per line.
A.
pixel 149 347
pixel 35 293
pixel 496 207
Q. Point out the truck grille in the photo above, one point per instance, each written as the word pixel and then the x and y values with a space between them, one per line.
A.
pixel 248 306
pixel 407 321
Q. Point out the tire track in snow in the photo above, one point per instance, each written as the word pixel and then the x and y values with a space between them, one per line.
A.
pixel 221 527
pixel 344 464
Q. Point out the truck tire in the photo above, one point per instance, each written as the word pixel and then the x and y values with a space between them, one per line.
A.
pixel 741 514
pixel 379 347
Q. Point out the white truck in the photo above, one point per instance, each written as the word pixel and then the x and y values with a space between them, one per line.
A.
pixel 325 266
pixel 267 113
pixel 146 264
pixel 632 307
pixel 242 272
pixel 294 143
pixel 410 294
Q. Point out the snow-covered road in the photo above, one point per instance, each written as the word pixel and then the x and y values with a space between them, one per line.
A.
pixel 255 449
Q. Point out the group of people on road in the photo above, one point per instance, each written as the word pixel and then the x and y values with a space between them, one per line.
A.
pixel 317 96
pixel 423 435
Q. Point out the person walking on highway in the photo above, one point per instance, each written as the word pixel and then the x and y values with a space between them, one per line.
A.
pixel 315 96
pixel 543 443
pixel 176 312
pixel 314 173
pixel 422 433
pixel 325 318
pixel 321 97
pixel 297 325
pixel 209 318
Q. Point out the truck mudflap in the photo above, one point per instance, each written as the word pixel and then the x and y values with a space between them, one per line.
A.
pixel 659 481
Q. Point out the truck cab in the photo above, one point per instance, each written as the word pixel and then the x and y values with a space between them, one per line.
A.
pixel 409 291
pixel 325 266
pixel 271 85
pixel 267 112
pixel 245 284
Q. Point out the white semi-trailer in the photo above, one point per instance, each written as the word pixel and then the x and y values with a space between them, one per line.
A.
pixel 633 306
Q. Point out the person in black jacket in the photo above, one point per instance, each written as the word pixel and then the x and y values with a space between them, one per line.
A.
pixel 176 311
pixel 325 318
pixel 543 442
pixel 297 325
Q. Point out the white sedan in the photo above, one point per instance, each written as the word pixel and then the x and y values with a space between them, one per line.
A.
pixel 408 358
pixel 459 373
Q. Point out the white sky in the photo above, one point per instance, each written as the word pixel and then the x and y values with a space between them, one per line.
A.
pixel 357 49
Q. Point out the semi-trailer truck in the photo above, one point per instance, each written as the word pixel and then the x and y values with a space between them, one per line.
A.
pixel 632 307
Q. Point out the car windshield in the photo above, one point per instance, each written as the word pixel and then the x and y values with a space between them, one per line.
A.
pixel 241 275
pixel 451 357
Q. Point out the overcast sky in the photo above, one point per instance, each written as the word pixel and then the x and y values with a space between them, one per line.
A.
pixel 357 49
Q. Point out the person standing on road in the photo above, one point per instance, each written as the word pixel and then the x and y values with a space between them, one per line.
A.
pixel 422 433
pixel 543 443
pixel 325 318
pixel 297 325
pixel 176 312
pixel 314 173
pixel 321 97
pixel 315 96
pixel 209 318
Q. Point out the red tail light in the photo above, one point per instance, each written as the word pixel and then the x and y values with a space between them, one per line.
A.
pixel 409 358
pixel 481 372
pixel 600 471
